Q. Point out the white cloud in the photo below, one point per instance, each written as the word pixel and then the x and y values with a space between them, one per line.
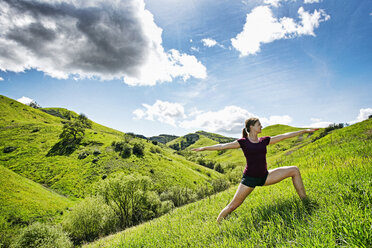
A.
pixel 85 39
pixel 229 120
pixel 311 1
pixel 1 79
pixel 364 113
pixel 161 111
pixel 262 27
pixel 319 124
pixel 209 42
pixel 196 49
pixel 276 119
pixel 25 100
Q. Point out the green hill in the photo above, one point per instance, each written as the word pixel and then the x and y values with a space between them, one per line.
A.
pixel 337 172
pixel 29 138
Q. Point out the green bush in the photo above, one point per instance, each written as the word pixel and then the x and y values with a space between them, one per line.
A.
pixel 220 184
pixel 42 236
pixel 179 195
pixel 89 220
pixel 219 168
pixel 126 151
pixel 130 197
pixel 138 149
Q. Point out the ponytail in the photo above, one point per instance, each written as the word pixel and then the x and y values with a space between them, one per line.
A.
pixel 244 133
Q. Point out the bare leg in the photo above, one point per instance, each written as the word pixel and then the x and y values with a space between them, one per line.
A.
pixel 278 174
pixel 239 197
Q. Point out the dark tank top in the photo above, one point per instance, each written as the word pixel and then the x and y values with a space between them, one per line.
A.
pixel 255 154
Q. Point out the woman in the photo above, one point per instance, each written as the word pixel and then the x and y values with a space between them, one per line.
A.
pixel 256 173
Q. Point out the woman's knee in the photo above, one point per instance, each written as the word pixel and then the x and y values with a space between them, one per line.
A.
pixel 295 171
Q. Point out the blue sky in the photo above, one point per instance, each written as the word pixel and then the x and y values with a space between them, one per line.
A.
pixel 175 67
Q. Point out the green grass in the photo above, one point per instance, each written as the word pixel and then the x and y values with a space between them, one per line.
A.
pixel 337 172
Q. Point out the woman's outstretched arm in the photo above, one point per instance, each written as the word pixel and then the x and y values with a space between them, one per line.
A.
pixel 280 137
pixel 232 145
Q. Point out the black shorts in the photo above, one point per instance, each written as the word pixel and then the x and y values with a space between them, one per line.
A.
pixel 253 181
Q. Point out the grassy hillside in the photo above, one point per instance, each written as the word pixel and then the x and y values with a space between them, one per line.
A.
pixel 29 143
pixel 337 172
pixel 34 133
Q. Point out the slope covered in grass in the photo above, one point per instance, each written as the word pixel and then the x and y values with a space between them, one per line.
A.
pixel 34 134
pixel 337 172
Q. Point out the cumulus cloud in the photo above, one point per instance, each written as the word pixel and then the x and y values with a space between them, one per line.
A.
pixel 163 111
pixel 209 42
pixel 262 27
pixel 1 79
pixel 26 100
pixel 227 120
pixel 103 39
pixel 276 119
pixel 364 113
pixel 320 124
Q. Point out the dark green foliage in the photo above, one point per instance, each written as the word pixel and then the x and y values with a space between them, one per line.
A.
pixel 220 184
pixel 35 130
pixel 207 163
pixel 83 119
pixel 89 220
pixel 95 160
pixel 59 112
pixel 131 198
pixel 83 155
pixel 34 105
pixel 331 127
pixel 179 195
pixel 163 138
pixel 9 149
pixel 42 235
pixel 96 152
pixel 138 149
pixel 72 130
pixel 154 142
pixel 175 146
pixel 126 151
pixel 369 117
pixel 219 168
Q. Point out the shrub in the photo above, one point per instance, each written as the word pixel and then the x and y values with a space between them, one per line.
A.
pixel 9 149
pixel 155 149
pixel 42 235
pixel 220 184
pixel 96 152
pixel 130 197
pixel 138 149
pixel 179 195
pixel 83 155
pixel 126 151
pixel 90 219
pixel 219 168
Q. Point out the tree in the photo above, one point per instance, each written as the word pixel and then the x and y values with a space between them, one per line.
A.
pixel 75 129
pixel 72 130
pixel 85 121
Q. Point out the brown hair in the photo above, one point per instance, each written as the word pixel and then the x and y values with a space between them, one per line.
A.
pixel 249 122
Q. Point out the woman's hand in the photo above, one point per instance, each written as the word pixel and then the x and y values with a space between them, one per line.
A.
pixel 198 149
